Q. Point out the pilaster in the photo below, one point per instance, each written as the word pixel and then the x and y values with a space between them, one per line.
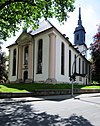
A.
pixel 9 67
pixel 20 57
pixel 30 69
pixel 52 58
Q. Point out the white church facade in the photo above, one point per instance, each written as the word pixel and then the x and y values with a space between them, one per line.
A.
pixel 45 55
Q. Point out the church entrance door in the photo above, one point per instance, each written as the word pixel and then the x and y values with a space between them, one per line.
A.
pixel 25 75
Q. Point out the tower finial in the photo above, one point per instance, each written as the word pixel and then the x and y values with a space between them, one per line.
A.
pixel 79 13
pixel 79 21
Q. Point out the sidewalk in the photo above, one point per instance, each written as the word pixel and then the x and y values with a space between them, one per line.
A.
pixel 60 110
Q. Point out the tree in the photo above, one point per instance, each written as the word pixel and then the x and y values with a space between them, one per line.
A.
pixel 3 73
pixel 14 13
pixel 96 57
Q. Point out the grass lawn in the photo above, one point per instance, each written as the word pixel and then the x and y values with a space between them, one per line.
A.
pixel 23 87
pixel 91 87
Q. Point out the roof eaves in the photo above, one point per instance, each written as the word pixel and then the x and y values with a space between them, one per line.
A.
pixel 12 45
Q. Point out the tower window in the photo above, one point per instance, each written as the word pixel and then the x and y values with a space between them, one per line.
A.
pixel 77 37
pixel 39 58
pixel 26 55
pixel 84 38
pixel 62 58
pixel 14 63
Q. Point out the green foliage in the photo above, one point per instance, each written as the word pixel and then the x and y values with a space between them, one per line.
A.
pixel 96 57
pixel 95 83
pixel 3 74
pixel 14 13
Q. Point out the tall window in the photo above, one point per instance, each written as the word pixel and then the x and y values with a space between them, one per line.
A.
pixel 86 68
pixel 39 58
pixel 26 55
pixel 83 72
pixel 75 62
pixel 80 78
pixel 89 72
pixel 79 66
pixel 14 63
pixel 69 62
pixel 62 58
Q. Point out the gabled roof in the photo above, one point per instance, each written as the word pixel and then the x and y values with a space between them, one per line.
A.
pixel 11 45
pixel 44 25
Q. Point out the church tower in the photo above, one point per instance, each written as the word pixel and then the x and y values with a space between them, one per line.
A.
pixel 79 35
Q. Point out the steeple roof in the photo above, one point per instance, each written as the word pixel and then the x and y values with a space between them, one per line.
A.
pixel 80 26
pixel 79 21
pixel 79 33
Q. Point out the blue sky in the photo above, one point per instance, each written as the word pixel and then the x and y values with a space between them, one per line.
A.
pixel 90 13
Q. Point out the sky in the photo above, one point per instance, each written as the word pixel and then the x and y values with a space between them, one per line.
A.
pixel 90 15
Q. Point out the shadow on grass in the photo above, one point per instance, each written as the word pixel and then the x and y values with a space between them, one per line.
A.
pixel 23 114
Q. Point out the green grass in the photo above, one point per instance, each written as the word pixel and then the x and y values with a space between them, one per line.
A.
pixel 23 87
pixel 91 87
pixel 6 88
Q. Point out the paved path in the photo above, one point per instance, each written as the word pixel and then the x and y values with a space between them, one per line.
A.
pixel 83 110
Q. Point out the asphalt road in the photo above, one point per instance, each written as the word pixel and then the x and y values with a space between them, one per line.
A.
pixel 83 110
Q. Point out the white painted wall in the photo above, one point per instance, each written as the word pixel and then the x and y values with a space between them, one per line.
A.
pixel 80 80
pixel 65 77
pixel 13 78
pixel 81 48
pixel 59 77
pixel 44 75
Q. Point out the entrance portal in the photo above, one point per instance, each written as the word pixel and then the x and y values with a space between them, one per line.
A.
pixel 25 75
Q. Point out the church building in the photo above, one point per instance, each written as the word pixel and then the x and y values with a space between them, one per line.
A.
pixel 46 55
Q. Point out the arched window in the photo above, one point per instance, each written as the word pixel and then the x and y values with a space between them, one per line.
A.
pixel 62 58
pixel 75 63
pixel 83 67
pixel 69 63
pixel 80 69
pixel 26 55
pixel 77 37
pixel 25 75
pixel 39 56
pixel 14 63
pixel 79 65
